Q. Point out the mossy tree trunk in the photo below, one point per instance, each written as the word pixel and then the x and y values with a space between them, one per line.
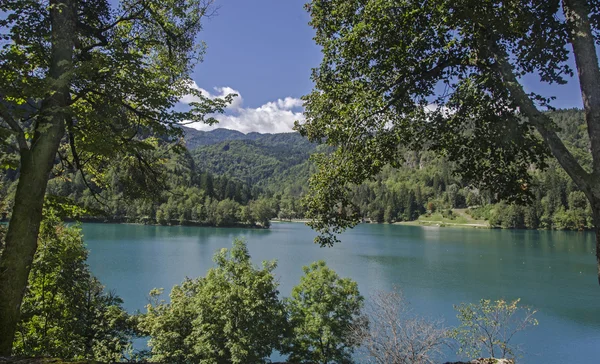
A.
pixel 588 72
pixel 37 160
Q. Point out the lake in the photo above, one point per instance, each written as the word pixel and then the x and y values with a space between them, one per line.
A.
pixel 436 268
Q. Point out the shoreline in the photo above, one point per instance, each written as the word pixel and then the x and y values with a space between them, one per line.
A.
pixel 428 223
pixel 432 223
pixel 291 220
pixel 122 221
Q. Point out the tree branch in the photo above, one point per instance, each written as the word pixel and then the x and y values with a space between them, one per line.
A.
pixel 432 73
pixel 99 33
pixel 14 126
pixel 586 60
pixel 542 123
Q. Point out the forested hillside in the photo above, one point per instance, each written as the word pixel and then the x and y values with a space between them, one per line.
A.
pixel 427 185
pixel 260 160
pixel 196 138
pixel 173 191
pixel 232 178
pixel 424 184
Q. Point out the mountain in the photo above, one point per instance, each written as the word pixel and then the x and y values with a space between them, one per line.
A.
pixel 424 185
pixel 254 158
pixel 196 138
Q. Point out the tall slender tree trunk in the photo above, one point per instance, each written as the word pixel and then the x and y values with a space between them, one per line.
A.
pixel 588 72
pixel 36 163
pixel 596 215
pixel 21 241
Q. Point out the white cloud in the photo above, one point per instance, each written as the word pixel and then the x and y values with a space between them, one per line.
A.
pixel 435 108
pixel 273 117
pixel 289 103
pixel 224 91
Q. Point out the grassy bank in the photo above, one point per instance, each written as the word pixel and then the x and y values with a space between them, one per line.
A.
pixel 458 218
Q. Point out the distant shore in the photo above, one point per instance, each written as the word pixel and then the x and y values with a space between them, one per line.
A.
pixel 420 222
pixel 291 220
pixel 443 224
pixel 102 220
pixel 460 218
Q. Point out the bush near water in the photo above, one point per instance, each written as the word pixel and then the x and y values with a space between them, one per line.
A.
pixel 232 315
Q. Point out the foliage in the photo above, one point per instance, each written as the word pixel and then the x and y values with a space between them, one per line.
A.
pixel 261 211
pixel 487 328
pixel 133 60
pixel 232 315
pixel 444 76
pixel 86 83
pixel 65 312
pixel 255 160
pixel 190 195
pixel 322 309
pixel 395 335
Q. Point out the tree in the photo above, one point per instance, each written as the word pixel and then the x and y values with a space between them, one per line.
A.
pixel 490 326
pixel 65 312
pixel 86 83
pixel 261 212
pixel 233 315
pixel 322 310
pixel 446 76
pixel 396 335
pixel 227 213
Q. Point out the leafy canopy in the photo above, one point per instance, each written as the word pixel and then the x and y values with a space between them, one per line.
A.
pixel 437 75
pixel 131 66
pixel 322 310
pixel 233 315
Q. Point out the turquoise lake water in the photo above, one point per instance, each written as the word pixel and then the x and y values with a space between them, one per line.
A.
pixel 553 272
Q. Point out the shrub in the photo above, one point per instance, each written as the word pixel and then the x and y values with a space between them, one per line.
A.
pixel 322 309
pixel 233 315
pixel 431 207
pixel 395 335
pixel 482 212
pixel 65 312
pixel 448 214
pixel 487 328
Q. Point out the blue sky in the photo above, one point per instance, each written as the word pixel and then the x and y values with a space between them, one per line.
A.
pixel 263 50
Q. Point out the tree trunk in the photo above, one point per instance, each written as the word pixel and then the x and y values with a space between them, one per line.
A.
pixel 21 241
pixel 588 72
pixel 36 163
pixel 596 216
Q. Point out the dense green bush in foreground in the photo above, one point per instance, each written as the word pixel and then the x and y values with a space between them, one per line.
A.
pixel 65 312
pixel 231 315
pixel 234 315
pixel 321 309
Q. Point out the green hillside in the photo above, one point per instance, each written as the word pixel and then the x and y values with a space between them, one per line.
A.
pixel 424 187
pixel 262 161
pixel 196 138
pixel 234 178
